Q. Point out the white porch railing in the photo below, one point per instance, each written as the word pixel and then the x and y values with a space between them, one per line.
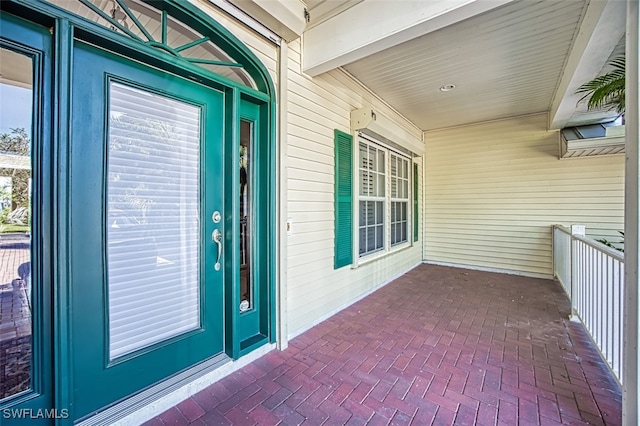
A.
pixel 592 275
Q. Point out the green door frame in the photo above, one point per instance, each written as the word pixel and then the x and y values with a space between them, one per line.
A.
pixel 35 41
pixel 66 26
pixel 256 326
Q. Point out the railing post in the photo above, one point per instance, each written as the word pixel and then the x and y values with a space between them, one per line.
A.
pixel 579 230
pixel 553 251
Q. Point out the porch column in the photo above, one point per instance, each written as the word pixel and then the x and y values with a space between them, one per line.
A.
pixel 630 377
pixel 282 319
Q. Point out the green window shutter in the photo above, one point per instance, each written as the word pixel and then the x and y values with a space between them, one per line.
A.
pixel 343 189
pixel 415 202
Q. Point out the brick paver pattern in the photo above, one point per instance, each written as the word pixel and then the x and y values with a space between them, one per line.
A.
pixel 437 346
pixel 15 317
pixel 15 312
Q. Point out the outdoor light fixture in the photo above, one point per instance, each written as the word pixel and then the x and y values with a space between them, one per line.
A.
pixel 447 87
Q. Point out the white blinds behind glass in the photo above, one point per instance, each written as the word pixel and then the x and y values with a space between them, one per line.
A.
pixel 152 223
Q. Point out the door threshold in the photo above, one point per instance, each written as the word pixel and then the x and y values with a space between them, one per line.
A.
pixel 158 398
pixel 154 393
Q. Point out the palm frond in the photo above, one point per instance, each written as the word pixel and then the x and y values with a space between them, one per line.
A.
pixel 608 90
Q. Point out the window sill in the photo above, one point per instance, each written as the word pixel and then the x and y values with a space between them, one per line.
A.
pixel 361 261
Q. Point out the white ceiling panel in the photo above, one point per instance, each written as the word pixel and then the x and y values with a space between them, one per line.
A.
pixel 504 63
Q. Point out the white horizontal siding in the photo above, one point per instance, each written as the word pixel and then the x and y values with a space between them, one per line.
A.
pixel 315 108
pixel 494 189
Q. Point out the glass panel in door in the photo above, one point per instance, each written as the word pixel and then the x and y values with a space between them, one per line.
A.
pixel 153 242
pixel 246 148
pixel 25 220
pixel 16 325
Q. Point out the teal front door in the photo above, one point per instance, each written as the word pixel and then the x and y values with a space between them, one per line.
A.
pixel 146 219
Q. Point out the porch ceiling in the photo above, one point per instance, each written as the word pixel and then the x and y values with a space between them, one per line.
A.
pixel 512 60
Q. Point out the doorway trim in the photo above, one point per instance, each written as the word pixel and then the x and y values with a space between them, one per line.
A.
pixel 67 26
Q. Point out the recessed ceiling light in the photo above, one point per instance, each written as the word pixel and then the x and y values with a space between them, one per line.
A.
pixel 447 87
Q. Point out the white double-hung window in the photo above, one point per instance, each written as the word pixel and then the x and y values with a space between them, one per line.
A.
pixel 383 198
pixel 371 203
pixel 399 200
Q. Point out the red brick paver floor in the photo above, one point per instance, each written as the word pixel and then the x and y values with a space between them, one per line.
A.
pixel 15 312
pixel 437 346
pixel 15 316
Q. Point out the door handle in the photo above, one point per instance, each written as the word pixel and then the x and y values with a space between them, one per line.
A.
pixel 216 237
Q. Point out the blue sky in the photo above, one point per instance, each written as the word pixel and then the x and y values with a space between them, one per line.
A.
pixel 15 108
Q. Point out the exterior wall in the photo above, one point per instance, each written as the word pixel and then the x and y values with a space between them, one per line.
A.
pixel 494 189
pixel 316 107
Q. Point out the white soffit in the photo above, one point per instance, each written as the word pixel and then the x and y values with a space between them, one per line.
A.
pixel 321 10
pixel 284 17
pixel 504 63
pixel 373 25
pixel 244 18
pixel 581 114
pixel 600 32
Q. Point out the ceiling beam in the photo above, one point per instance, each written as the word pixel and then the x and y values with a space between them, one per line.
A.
pixel 284 17
pixel 372 26
pixel 602 27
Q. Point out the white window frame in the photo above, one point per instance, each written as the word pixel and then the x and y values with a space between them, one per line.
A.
pixel 375 194
pixel 387 248
pixel 403 192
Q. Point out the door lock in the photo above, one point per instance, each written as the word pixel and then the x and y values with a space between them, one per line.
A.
pixel 216 217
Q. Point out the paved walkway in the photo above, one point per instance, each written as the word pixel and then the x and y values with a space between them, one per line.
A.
pixel 15 312
pixel 14 251
pixel 437 346
pixel 15 317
